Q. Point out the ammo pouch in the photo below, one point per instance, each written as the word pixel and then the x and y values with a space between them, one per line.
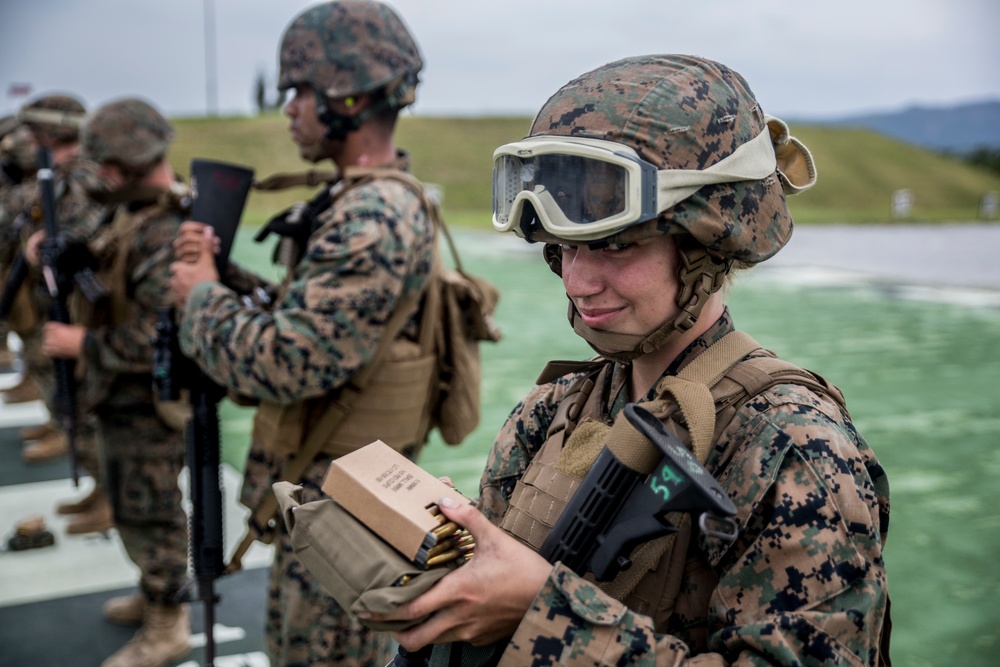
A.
pixel 355 566
pixel 394 406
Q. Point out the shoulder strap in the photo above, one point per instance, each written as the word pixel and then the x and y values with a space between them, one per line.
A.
pixel 691 387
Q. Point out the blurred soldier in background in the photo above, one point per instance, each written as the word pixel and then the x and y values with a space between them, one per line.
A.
pixel 141 455
pixel 17 160
pixel 365 251
pixel 53 122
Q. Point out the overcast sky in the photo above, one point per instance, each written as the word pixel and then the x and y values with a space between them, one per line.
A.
pixel 803 59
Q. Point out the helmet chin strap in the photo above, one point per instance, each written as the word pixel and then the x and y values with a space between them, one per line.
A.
pixel 700 275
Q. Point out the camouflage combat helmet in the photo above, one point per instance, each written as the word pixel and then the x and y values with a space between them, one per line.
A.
pixel 57 117
pixel 349 47
pixel 19 147
pixel 682 113
pixel 129 133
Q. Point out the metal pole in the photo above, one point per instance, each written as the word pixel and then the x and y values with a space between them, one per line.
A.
pixel 211 94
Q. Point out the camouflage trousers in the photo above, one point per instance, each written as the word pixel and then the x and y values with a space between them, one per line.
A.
pixel 142 459
pixel 305 627
pixel 85 440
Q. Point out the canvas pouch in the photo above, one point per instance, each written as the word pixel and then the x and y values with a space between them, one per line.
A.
pixel 355 566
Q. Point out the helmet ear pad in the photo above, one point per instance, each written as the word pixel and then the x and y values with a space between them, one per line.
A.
pixel 553 257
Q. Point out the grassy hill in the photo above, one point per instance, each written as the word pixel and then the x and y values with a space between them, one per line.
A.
pixel 858 169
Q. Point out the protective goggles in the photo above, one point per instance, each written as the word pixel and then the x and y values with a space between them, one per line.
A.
pixel 586 189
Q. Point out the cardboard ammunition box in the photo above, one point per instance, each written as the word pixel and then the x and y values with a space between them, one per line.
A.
pixel 391 495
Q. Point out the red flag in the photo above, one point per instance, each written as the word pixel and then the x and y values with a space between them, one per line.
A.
pixel 19 90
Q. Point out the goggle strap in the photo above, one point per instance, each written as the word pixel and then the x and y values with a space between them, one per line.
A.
pixel 749 162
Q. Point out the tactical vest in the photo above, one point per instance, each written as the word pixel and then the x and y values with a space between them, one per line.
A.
pixel 110 247
pixel 395 401
pixel 698 404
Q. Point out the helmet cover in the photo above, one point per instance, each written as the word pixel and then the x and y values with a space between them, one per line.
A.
pixel 128 132
pixel 58 116
pixel 348 47
pixel 679 112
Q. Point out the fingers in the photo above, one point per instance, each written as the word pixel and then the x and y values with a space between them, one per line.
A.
pixel 31 252
pixel 466 516
pixel 195 241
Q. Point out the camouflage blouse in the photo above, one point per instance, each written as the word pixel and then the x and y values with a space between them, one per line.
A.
pixel 118 348
pixel 374 246
pixel 804 582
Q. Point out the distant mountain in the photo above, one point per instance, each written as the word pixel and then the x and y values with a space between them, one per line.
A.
pixel 956 129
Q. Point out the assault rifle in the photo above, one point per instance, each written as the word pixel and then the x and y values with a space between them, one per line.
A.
pixel 219 192
pixel 625 497
pixel 58 285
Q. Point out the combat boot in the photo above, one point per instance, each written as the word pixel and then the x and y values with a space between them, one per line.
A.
pixel 37 431
pixel 52 446
pixel 83 504
pixel 126 609
pixel 97 519
pixel 163 638
pixel 24 391
pixel 8 358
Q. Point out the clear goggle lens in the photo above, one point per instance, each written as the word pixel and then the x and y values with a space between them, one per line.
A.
pixel 583 189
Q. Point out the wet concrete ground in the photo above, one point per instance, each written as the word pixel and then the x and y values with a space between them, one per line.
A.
pixel 954 255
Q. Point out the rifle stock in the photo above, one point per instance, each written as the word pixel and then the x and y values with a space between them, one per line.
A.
pixel 620 505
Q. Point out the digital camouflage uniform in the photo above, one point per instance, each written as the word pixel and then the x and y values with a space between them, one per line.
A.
pixel 803 584
pixel 142 457
pixel 374 247
pixel 367 252
pixel 16 163
pixel 77 217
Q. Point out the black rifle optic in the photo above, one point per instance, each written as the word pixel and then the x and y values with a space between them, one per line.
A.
pixel 625 497
pixel 219 191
